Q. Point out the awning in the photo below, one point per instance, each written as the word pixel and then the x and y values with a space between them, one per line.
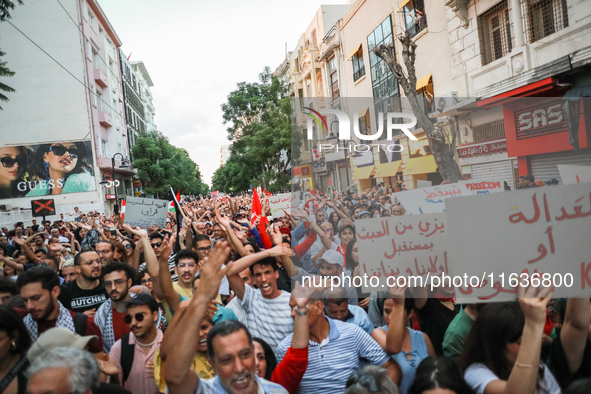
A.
pixel 421 165
pixel 426 80
pixel 388 169
pixel 363 112
pixel 354 51
pixel 362 173
pixel 402 4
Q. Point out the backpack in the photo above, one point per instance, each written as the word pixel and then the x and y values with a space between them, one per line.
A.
pixel 127 352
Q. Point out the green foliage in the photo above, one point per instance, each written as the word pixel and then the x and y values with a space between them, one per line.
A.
pixel 5 7
pixel 162 166
pixel 258 115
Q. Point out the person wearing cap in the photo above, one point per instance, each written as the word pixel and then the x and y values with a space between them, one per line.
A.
pixel 364 215
pixel 39 289
pixel 136 350
pixel 552 182
pixel 118 278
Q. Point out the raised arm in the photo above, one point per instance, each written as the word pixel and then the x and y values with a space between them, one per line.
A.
pixel 225 221
pixel 391 342
pixel 9 261
pixel 25 248
pixel 575 329
pixel 164 290
pixel 178 349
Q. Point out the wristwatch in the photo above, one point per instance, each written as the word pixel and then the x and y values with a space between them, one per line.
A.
pixel 302 313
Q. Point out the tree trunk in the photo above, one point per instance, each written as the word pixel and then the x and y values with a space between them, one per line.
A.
pixel 441 150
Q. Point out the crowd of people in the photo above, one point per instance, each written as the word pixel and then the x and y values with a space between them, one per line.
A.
pixel 215 302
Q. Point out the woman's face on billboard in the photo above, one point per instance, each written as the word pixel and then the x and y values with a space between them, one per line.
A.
pixel 11 164
pixel 62 157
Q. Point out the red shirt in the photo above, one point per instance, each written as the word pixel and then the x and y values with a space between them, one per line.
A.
pixel 291 369
pixel 119 327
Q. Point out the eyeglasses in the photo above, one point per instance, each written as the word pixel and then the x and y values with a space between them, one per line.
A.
pixel 106 251
pixel 9 162
pixel 367 381
pixel 185 265
pixel 328 230
pixel 156 245
pixel 117 282
pixel 205 249
pixel 128 246
pixel 138 317
pixel 144 281
pixel 60 150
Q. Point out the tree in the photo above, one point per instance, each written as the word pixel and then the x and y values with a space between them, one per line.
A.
pixel 5 7
pixel 443 152
pixel 162 166
pixel 258 115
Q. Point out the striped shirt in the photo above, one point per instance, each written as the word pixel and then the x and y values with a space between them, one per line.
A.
pixel 331 362
pixel 268 319
pixel 214 386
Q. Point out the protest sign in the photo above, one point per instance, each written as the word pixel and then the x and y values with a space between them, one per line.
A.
pixel 282 202
pixel 484 186
pixel 145 212
pixel 402 246
pixel 498 237
pixel 430 199
pixel 574 174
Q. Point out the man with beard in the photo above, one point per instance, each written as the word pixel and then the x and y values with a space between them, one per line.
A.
pixel 86 293
pixel 229 343
pixel 117 280
pixel 39 289
pixel 208 229
pixel 138 346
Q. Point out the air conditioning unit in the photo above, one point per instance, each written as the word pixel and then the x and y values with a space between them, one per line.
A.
pixel 446 100
pixel 5 207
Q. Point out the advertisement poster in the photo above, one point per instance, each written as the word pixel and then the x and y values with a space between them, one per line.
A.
pixel 46 169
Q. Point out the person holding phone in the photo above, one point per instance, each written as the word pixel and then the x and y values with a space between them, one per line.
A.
pixel 61 168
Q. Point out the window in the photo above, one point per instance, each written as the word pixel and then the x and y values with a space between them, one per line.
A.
pixel 495 33
pixel 91 20
pixel 415 19
pixel 488 131
pixel 544 17
pixel 334 78
pixel 358 66
pixel 384 85
pixel 104 147
pixel 93 95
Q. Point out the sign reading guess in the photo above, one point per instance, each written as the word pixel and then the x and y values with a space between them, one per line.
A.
pixel 483 149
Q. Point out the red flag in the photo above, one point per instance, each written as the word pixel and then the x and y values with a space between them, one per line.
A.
pixel 265 239
pixel 257 208
pixel 268 193
pixel 178 196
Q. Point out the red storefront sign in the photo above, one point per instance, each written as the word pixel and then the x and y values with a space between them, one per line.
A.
pixel 538 120
pixel 482 149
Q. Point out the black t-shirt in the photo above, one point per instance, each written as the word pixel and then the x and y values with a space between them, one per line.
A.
pixel 559 366
pixel 434 318
pixel 78 300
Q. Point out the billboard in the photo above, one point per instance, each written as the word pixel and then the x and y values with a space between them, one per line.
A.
pixel 46 169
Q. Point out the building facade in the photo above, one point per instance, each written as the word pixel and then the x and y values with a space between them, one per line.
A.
pixel 70 102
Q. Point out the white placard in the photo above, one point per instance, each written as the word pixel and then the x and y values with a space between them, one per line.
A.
pixel 402 246
pixel 430 199
pixel 574 174
pixel 538 230
pixel 421 183
pixel 281 202
pixel 484 186
pixel 145 212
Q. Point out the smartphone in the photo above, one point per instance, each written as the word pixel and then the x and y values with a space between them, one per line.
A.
pixel 42 264
pixel 113 232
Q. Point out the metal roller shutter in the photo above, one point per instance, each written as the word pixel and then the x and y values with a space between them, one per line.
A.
pixel 496 171
pixel 544 167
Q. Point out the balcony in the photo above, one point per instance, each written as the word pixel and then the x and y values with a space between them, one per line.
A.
pixel 101 78
pixel 105 119
pixel 91 35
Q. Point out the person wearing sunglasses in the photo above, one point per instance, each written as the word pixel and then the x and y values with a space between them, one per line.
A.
pixel 61 168
pixel 12 169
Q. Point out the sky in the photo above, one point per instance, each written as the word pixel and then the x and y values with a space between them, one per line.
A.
pixel 197 51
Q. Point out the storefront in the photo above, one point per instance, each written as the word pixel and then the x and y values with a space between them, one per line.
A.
pixel 487 161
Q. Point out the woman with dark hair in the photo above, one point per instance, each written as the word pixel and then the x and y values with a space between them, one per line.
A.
pixel 264 358
pixel 439 373
pixel 333 219
pixel 352 262
pixel 62 168
pixel 120 253
pixel 14 343
pixel 13 162
pixel 502 352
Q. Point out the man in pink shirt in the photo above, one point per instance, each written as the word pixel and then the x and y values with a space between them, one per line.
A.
pixel 134 352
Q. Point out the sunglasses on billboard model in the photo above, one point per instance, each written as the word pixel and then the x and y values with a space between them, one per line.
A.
pixel 60 150
pixel 9 162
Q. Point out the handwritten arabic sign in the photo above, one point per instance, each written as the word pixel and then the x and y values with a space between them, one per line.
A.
pixel 531 231
pixel 430 199
pixel 484 186
pixel 574 174
pixel 283 201
pixel 402 246
pixel 145 212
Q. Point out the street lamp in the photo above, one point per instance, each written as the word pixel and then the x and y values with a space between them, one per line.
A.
pixel 123 165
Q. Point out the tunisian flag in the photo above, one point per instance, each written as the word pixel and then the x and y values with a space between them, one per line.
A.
pixel 257 211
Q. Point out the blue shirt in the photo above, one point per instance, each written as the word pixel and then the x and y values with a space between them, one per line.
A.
pixel 213 386
pixel 222 314
pixel 331 362
pixel 409 367
pixel 359 317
